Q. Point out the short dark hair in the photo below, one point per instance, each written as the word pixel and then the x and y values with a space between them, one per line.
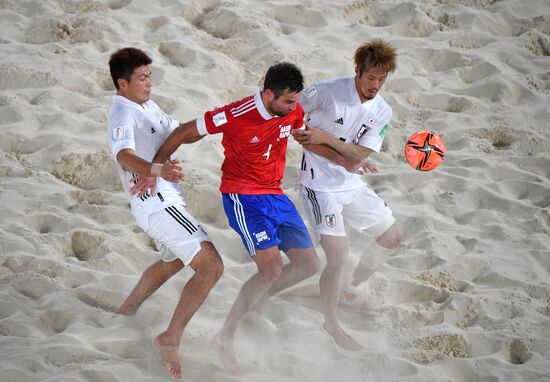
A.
pixel 124 61
pixel 284 76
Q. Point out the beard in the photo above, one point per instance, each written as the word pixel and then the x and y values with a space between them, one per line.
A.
pixel 278 113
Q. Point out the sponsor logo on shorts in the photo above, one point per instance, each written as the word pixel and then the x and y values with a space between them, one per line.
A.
pixel 261 236
pixel 219 119
pixel 340 121
pixel 331 220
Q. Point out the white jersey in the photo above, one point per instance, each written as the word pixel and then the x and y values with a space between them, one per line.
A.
pixel 142 129
pixel 335 107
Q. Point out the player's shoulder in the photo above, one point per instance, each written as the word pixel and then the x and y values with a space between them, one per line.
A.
pixel 379 106
pixel 331 90
pixel 338 85
pixel 122 113
pixel 243 103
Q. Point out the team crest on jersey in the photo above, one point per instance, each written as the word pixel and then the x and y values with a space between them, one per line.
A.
pixel 331 220
pixel 118 132
pixel 311 92
pixel 285 131
pixel 219 119
pixel 362 131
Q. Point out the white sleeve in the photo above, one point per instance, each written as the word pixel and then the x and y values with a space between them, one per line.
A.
pixel 376 129
pixel 201 126
pixel 120 136
pixel 313 98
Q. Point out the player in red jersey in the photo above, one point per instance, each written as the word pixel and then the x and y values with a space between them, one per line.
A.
pixel 255 134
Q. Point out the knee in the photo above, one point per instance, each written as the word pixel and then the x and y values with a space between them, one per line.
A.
pixel 335 264
pixel 391 239
pixel 271 273
pixel 217 268
pixel 311 264
pixel 210 262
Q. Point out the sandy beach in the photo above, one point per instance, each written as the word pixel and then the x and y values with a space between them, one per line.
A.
pixel 466 298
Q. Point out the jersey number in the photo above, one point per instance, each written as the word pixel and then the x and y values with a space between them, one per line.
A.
pixel 266 154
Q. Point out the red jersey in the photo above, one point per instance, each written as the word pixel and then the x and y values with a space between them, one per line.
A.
pixel 254 142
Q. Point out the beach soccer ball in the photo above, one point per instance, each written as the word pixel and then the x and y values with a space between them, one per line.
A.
pixel 425 150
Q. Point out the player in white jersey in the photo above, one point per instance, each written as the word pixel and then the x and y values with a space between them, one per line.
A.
pixel 347 120
pixel 137 127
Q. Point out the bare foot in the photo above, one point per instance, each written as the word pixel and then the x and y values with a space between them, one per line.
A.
pixel 343 339
pixel 226 354
pixel 170 356
pixel 126 312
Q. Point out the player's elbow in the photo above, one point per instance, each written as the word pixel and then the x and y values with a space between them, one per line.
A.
pixel 188 132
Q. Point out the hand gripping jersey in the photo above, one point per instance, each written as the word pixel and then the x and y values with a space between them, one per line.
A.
pixel 334 107
pixel 142 129
pixel 255 144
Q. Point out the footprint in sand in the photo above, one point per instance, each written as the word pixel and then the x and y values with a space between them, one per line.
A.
pixel 98 375
pixel 414 261
pixel 520 350
pixel 538 45
pixel 33 285
pixel 432 348
pixel 14 75
pixel 99 298
pixel 47 223
pixel 178 54
pixel 70 356
pixel 72 30
pixel 87 171
pixel 406 291
pixel 85 245
pixel 118 4
pixel 55 321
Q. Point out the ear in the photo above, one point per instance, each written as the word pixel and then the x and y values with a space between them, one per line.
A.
pixel 357 71
pixel 269 94
pixel 122 83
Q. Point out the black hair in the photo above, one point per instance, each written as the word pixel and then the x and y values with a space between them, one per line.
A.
pixel 284 76
pixel 124 61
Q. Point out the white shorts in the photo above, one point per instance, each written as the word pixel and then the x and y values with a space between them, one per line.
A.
pixel 176 233
pixel 361 209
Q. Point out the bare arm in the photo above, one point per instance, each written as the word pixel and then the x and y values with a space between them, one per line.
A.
pixel 185 133
pixel 330 154
pixel 129 161
pixel 313 136
pixel 352 157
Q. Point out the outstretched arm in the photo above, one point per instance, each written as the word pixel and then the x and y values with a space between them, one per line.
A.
pixel 185 133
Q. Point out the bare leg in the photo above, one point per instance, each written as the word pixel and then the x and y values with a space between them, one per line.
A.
pixel 150 281
pixel 336 250
pixel 270 266
pixel 208 268
pixel 388 242
pixel 303 264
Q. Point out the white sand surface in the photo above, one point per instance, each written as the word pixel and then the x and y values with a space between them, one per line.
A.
pixel 468 295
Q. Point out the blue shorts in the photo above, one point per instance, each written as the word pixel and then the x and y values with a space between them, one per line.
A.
pixel 265 221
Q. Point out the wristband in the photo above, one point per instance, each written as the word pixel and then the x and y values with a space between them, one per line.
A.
pixel 156 169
